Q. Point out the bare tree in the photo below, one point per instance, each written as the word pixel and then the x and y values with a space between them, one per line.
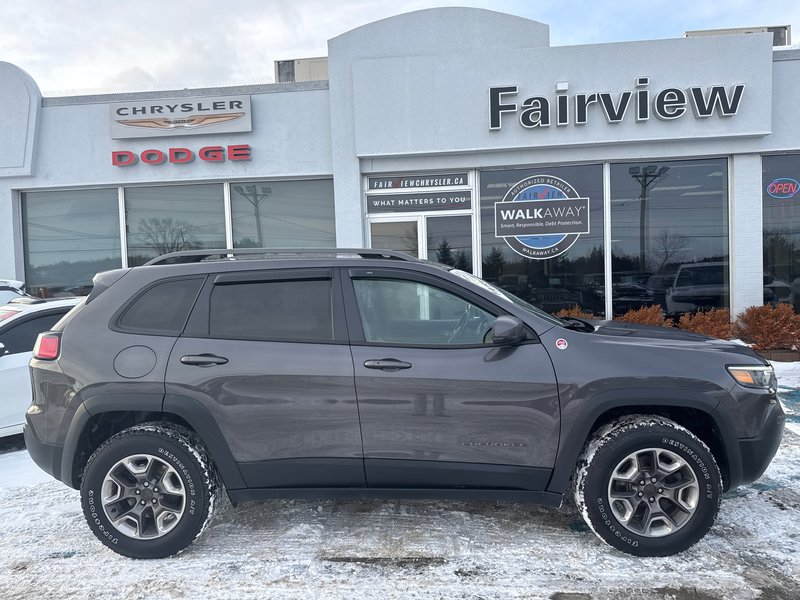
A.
pixel 667 247
pixel 165 235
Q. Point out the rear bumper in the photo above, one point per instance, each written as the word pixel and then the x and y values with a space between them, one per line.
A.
pixel 46 456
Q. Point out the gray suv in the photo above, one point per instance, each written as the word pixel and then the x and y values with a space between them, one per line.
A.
pixel 367 372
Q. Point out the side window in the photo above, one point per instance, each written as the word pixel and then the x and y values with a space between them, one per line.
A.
pixel 21 337
pixel 297 310
pixel 397 311
pixel 162 309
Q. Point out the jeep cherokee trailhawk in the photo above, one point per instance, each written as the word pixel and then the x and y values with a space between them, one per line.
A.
pixel 334 373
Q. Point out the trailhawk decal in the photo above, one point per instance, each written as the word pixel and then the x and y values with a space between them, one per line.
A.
pixel 541 217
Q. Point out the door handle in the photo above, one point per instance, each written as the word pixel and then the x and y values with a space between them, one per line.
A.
pixel 203 360
pixel 387 364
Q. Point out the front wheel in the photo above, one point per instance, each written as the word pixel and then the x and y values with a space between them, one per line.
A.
pixel 647 486
pixel 149 491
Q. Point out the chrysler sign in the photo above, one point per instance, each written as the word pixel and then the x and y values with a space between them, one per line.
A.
pixel 180 116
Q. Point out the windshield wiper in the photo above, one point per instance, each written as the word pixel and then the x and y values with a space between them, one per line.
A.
pixel 577 324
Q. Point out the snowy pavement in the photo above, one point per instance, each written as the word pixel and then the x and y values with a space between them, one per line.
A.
pixel 405 549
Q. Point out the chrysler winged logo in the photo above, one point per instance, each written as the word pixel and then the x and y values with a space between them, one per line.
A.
pixel 191 122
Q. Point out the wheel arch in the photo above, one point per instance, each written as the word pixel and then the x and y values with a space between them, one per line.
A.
pixel 100 417
pixel 694 411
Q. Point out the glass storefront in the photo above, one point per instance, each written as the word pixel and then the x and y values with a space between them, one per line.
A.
pixel 402 236
pixel 450 241
pixel 283 214
pixel 669 235
pixel 557 270
pixel 781 206
pixel 69 236
pixel 172 218
pixel 541 229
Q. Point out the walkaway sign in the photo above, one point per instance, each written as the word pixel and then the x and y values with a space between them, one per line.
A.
pixel 541 217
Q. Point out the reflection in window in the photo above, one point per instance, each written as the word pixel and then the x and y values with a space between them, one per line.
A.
pixel 450 241
pixel 402 236
pixel 69 236
pixel 669 230
pixel 572 280
pixel 283 214
pixel 408 312
pixel 162 219
pixel 781 205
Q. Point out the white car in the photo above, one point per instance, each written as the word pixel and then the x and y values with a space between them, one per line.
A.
pixel 21 321
pixel 10 289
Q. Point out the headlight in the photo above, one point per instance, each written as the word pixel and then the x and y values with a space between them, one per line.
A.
pixel 753 377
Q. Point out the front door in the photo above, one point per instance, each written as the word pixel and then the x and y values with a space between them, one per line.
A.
pixel 440 237
pixel 440 405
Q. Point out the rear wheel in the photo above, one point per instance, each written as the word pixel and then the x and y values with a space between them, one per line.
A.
pixel 149 491
pixel 647 486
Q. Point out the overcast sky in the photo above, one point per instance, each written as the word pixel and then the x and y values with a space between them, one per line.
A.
pixel 69 45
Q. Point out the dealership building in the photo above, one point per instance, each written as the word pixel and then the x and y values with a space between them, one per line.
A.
pixel 604 176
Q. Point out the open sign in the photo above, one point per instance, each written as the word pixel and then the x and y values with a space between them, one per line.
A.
pixel 783 187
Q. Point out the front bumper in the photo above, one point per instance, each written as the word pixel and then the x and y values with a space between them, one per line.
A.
pixel 757 452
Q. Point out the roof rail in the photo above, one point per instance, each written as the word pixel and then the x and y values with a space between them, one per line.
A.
pixel 194 256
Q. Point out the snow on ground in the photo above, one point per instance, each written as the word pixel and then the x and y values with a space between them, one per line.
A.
pixel 404 549
pixel 788 374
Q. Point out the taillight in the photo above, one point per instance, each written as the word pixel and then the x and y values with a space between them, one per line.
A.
pixel 47 346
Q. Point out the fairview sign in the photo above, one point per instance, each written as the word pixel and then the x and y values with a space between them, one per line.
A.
pixel 566 109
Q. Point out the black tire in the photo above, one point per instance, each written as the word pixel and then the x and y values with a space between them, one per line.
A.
pixel 136 461
pixel 629 497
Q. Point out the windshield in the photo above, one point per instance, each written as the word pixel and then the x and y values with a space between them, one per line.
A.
pixel 493 289
pixel 701 275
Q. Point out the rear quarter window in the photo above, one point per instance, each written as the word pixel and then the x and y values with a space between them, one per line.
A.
pixel 161 309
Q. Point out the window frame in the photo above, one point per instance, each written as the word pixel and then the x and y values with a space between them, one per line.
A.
pixel 356 327
pixel 199 322
pixel 114 324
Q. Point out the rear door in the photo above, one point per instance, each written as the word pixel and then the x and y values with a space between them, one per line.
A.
pixel 266 354
pixel 440 406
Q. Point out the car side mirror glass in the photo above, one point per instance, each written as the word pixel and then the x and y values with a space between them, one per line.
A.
pixel 507 330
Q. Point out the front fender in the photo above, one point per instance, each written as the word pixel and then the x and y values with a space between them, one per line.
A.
pixel 580 415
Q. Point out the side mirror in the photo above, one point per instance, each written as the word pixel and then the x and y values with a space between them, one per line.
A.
pixel 507 330
pixel 3 350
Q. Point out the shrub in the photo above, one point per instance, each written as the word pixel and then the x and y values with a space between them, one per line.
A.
pixel 713 323
pixel 647 315
pixel 769 327
pixel 575 311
